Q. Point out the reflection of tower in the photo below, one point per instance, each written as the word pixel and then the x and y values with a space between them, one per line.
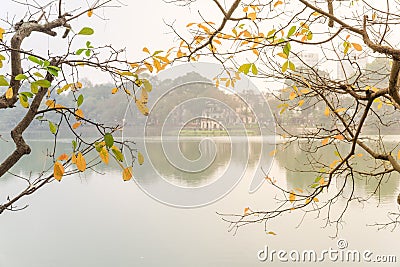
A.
pixel 345 68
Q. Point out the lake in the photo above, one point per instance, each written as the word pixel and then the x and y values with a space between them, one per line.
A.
pixel 96 219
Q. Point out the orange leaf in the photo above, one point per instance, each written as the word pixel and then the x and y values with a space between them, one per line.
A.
pixel 73 158
pixel 282 55
pixel 278 3
pixel 50 103
pixel 272 153
pixel 299 190
pixel 80 162
pixel 90 13
pixel 246 210
pixel 339 137
pixel 316 199
pixel 76 125
pixel 58 171
pixel 114 90
pixel 63 157
pixel 292 95
pixel 292 196
pixel 252 16
pixel 325 141
pixel 398 155
pixel 127 174
pixel 79 114
pixel 357 46
pixel 327 111
pixel 145 49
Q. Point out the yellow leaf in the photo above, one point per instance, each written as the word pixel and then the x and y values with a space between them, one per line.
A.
pixel 292 95
pixel 398 155
pixel 252 16
pixel 304 91
pixel 104 155
pixel 127 174
pixel 322 181
pixel 78 85
pixel 79 114
pixel 63 157
pixel 327 111
pixel 282 55
pixel 292 196
pixel 144 98
pixel 278 3
pixel 316 14
pixel 114 90
pixel 339 110
pixel 80 162
pixel 140 158
pixel 308 200
pixel 359 155
pixel 9 93
pixel 316 199
pixel 157 64
pixel 271 233
pixel 90 13
pixel 1 33
pixel 142 107
pixel 301 102
pixel 325 141
pixel 50 103
pixel 272 153
pixel 145 49
pixel 134 65
pixel 357 46
pixel 245 9
pixel 76 125
pixel 58 171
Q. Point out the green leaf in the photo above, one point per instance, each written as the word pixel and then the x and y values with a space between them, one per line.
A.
pixel 317 179
pixel 38 74
pixel 34 88
pixel 109 140
pixel 27 94
pixel 118 154
pixel 35 60
pixel 52 72
pixel 157 52
pixel 254 69
pixel 43 83
pixel 285 66
pixel 87 53
pixel 147 85
pixel 40 118
pixel 74 145
pixel 79 101
pixel 80 51
pixel 286 49
pixel 24 101
pixel 86 31
pixel 52 127
pixel 245 68
pixel 309 36
pixel 88 44
pixel 271 32
pixel 20 77
pixel 291 31
pixel 98 146
pixel 46 63
pixel 3 81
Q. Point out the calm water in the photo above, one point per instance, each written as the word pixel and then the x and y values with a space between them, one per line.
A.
pixel 99 220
